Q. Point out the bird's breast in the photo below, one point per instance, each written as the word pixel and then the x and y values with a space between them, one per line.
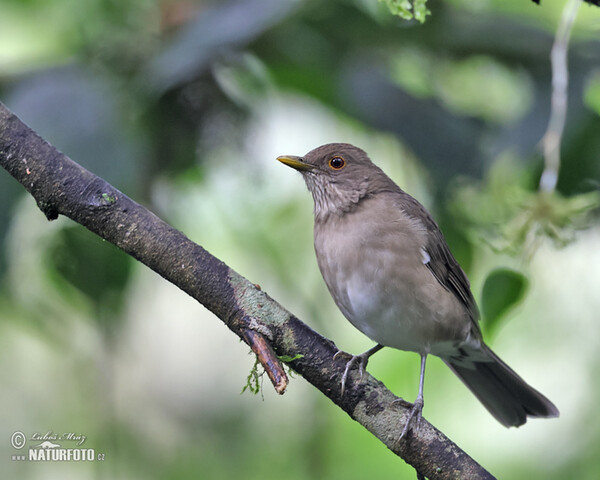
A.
pixel 375 271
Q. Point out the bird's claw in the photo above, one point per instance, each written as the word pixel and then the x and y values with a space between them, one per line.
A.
pixel 416 412
pixel 362 360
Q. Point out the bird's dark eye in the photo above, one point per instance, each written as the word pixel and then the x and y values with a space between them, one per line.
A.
pixel 337 163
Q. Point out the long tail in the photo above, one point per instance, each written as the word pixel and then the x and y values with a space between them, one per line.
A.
pixel 498 387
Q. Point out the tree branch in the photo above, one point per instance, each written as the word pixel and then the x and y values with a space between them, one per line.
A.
pixel 62 187
pixel 558 112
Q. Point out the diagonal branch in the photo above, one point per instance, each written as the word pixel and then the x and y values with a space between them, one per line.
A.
pixel 62 187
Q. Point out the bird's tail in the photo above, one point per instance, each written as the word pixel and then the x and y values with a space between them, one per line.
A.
pixel 498 387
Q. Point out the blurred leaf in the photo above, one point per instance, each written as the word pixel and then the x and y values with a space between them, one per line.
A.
pixel 502 290
pixel 93 266
pixel 592 92
pixel 513 218
pixel 505 98
pixel 457 83
pixel 421 11
pixel 414 70
pixel 224 26
pixel 32 34
pixel 75 108
pixel 407 10
pixel 243 78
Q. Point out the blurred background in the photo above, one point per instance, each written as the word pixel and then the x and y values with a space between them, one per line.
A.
pixel 183 105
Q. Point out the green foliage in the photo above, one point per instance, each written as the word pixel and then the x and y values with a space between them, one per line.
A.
pixel 34 32
pixel 93 267
pixel 456 82
pixel 514 218
pixel 592 93
pixel 502 290
pixel 407 10
pixel 288 359
pixel 254 379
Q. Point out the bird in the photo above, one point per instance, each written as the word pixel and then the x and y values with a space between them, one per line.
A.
pixel 391 273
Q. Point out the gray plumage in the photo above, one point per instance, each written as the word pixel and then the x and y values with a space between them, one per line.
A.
pixel 391 273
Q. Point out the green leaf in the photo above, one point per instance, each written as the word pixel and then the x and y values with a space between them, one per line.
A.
pixel 592 92
pixel 407 10
pixel 502 290
pixel 288 358
pixel 421 10
pixel 92 266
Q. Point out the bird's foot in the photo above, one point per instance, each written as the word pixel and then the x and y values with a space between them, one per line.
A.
pixel 362 361
pixel 414 417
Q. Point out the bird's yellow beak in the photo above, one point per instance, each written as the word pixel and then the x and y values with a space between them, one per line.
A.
pixel 295 162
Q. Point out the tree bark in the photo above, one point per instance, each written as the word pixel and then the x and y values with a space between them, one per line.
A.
pixel 62 187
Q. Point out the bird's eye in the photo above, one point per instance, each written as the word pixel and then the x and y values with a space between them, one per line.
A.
pixel 337 163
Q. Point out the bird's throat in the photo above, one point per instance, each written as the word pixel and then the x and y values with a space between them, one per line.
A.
pixel 331 200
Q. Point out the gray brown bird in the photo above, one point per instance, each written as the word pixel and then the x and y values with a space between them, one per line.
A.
pixel 391 273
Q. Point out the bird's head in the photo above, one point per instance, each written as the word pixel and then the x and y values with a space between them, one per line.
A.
pixel 338 175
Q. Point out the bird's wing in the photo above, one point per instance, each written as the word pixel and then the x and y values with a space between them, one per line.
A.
pixel 441 262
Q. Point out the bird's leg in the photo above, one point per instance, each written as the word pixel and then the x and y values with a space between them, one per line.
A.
pixel 362 360
pixel 417 407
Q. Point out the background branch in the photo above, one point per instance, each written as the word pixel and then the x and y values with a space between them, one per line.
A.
pixel 60 186
pixel 558 112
